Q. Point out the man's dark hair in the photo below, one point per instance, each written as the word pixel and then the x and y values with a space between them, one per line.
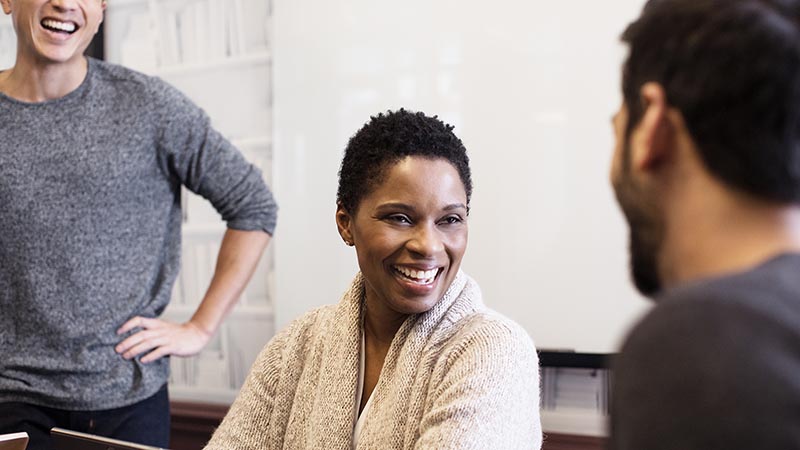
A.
pixel 732 68
pixel 388 138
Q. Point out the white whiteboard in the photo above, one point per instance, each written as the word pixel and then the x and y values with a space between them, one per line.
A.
pixel 530 86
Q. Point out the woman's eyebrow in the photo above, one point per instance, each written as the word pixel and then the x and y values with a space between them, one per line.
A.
pixel 453 206
pixel 396 205
pixel 409 208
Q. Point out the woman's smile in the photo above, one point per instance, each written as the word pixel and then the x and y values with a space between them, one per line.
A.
pixel 410 234
pixel 420 277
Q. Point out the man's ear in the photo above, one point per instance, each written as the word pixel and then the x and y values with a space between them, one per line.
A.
pixel 344 222
pixel 6 6
pixel 103 5
pixel 654 134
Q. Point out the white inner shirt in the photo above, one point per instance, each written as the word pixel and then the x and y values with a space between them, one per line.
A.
pixel 359 393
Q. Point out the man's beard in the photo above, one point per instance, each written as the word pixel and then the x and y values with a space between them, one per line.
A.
pixel 646 234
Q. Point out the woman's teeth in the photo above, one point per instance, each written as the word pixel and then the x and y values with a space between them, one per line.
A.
pixel 67 27
pixel 418 276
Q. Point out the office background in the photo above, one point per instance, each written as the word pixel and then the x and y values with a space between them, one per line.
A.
pixel 530 87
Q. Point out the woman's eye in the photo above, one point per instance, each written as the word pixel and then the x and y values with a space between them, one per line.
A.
pixel 399 218
pixel 451 220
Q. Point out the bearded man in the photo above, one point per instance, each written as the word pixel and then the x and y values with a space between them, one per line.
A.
pixel 707 172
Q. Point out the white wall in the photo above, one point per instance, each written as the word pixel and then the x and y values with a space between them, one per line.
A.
pixel 530 86
pixel 8 42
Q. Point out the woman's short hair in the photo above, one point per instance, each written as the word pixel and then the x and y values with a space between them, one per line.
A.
pixel 385 140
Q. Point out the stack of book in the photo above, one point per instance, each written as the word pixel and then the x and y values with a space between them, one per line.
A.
pixel 575 390
pixel 584 390
pixel 192 32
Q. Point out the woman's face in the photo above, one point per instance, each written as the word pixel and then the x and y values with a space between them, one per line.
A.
pixel 410 234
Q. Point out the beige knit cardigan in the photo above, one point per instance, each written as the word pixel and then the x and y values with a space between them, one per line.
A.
pixel 456 377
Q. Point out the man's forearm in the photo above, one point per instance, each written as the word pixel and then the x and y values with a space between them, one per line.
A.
pixel 238 257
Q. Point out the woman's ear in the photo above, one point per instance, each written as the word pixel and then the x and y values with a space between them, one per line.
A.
pixel 344 222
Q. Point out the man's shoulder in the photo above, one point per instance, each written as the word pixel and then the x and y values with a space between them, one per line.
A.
pixel 768 292
pixel 713 355
pixel 746 323
pixel 127 81
pixel 110 72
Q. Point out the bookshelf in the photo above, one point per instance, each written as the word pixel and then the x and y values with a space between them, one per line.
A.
pixel 576 389
pixel 218 53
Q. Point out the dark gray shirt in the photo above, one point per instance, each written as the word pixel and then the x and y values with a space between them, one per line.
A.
pixel 715 365
pixel 90 221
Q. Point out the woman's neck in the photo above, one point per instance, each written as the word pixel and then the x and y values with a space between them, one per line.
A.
pixel 381 323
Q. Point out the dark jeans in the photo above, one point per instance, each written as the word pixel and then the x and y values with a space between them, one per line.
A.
pixel 146 422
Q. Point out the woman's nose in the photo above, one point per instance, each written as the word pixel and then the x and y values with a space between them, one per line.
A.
pixel 426 241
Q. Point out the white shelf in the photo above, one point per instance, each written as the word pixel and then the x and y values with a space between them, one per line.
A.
pixel 202 394
pixel 257 312
pixel 204 229
pixel 233 62
pixel 255 141
pixel 578 422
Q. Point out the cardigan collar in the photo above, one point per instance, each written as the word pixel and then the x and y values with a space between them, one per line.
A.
pixel 335 412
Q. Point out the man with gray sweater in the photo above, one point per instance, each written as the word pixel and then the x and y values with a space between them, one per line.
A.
pixel 707 172
pixel 92 160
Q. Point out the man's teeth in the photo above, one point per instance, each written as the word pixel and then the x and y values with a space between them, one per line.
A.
pixel 68 27
pixel 423 276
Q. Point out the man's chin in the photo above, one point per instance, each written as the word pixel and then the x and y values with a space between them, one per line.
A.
pixel 645 277
pixel 644 264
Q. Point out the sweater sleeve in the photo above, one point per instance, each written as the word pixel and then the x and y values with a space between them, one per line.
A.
pixel 208 164
pixel 258 417
pixel 488 396
pixel 245 424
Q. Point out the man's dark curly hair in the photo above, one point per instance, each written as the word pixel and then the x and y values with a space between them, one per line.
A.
pixel 732 68
pixel 385 140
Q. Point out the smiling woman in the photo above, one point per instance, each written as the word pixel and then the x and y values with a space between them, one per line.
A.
pixel 409 357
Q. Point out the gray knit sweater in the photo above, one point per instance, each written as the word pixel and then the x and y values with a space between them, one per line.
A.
pixel 90 229
pixel 456 377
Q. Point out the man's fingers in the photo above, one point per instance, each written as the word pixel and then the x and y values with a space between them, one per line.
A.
pixel 160 339
pixel 140 322
pixel 155 354
pixel 129 325
pixel 140 343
